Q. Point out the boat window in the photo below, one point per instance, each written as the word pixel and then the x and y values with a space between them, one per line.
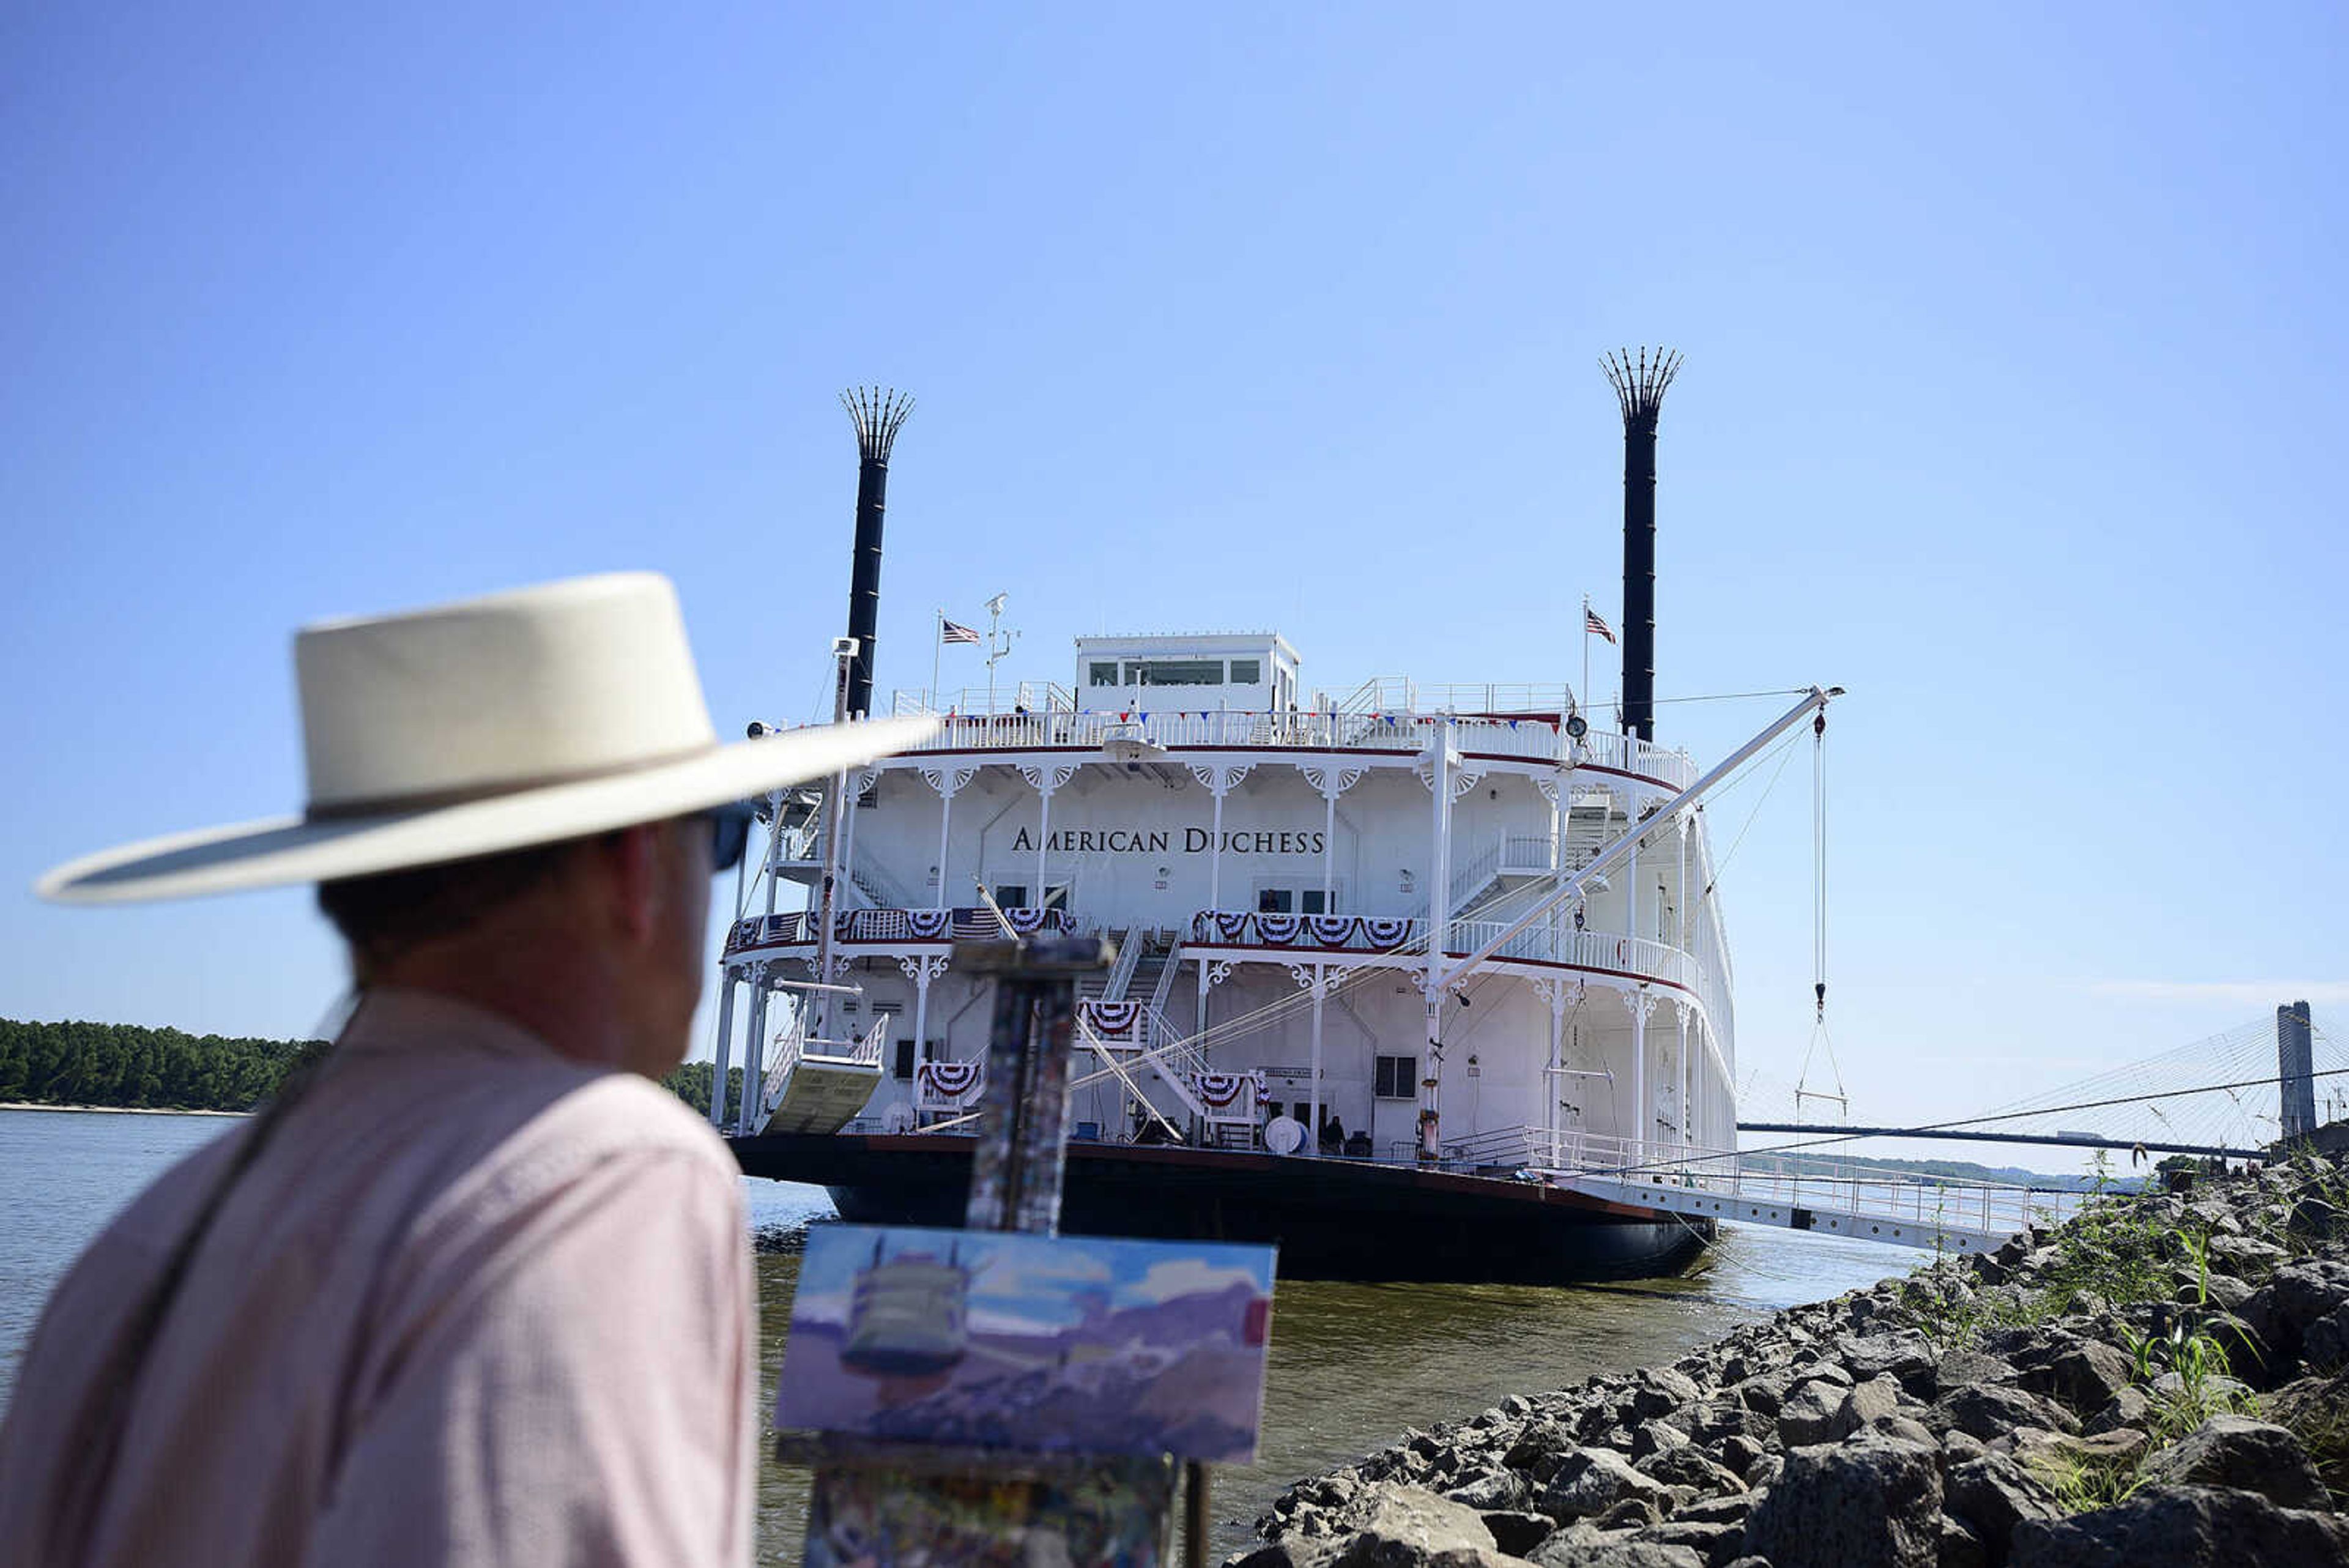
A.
pixel 1056 896
pixel 1012 895
pixel 1175 672
pixel 1102 672
pixel 1398 1079
pixel 1312 901
pixel 1247 671
pixel 1275 901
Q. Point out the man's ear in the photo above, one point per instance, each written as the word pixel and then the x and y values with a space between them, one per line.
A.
pixel 631 858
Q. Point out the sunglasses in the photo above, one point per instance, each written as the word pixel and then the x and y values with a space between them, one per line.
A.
pixel 730 833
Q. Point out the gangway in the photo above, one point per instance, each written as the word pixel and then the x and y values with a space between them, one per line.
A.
pixel 822 1086
pixel 1841 1200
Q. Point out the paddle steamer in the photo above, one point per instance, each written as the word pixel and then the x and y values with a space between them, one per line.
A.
pixel 1390 956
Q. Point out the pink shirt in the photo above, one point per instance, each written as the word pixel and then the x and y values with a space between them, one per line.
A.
pixel 474 1302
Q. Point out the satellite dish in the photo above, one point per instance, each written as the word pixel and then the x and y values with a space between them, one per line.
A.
pixel 897 1118
pixel 1577 726
pixel 1284 1135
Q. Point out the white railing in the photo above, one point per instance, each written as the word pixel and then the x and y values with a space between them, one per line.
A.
pixel 1025 696
pixel 1403 732
pixel 1121 974
pixel 1863 1192
pixel 893 927
pixel 1165 985
pixel 1636 958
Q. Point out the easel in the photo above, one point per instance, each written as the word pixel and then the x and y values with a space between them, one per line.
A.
pixel 881 1498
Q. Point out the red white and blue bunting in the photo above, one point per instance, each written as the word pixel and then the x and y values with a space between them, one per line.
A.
pixel 1231 1096
pixel 1112 1020
pixel 948 1082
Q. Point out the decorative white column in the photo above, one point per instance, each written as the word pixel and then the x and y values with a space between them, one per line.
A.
pixel 1688 1071
pixel 1331 781
pixel 1220 779
pixel 753 1050
pixel 922 969
pixel 725 1046
pixel 948 782
pixel 1317 981
pixel 1046 781
pixel 1643 1115
pixel 1631 883
pixel 1555 994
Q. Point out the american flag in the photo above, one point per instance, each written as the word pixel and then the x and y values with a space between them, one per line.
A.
pixel 1590 622
pixel 953 631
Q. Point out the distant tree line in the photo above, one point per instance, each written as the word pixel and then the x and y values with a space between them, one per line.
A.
pixel 123 1066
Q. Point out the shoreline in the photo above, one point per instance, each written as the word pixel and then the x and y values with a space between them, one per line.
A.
pixel 116 1110
pixel 2160 1381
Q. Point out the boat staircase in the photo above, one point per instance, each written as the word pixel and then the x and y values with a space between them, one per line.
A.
pixel 819 1085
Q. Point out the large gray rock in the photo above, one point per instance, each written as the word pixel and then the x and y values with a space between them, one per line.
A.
pixel 1960 1368
pixel 1993 1494
pixel 1517 1532
pixel 1808 1414
pixel 1987 1412
pixel 2246 1257
pixel 1539 1447
pixel 1692 1469
pixel 2084 1376
pixel 2185 1527
pixel 1487 1491
pixel 1592 1480
pixel 1868 1504
pixel 1622 1552
pixel 2128 1408
pixel 2248 1454
pixel 2324 1343
pixel 2281 1311
pixel 1905 1355
pixel 1656 1391
pixel 1406 1527
pixel 1866 1404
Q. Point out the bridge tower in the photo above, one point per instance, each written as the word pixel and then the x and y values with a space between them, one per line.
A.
pixel 2296 1069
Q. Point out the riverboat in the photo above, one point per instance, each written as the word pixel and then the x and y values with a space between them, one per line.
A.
pixel 1393 960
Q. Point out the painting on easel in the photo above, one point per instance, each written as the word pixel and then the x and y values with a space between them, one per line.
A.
pixel 997 1339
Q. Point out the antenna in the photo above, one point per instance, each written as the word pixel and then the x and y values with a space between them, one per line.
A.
pixel 1640 384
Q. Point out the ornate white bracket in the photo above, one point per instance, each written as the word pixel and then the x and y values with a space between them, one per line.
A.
pixel 949 781
pixel 1218 973
pixel 1330 780
pixel 1641 1003
pixel 840 962
pixel 923 967
pixel 1219 778
pixel 1307 979
pixel 1464 779
pixel 1048 780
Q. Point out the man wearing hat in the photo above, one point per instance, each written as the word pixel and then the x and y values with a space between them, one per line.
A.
pixel 471 1289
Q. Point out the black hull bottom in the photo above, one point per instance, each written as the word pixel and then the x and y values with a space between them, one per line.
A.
pixel 1332 1220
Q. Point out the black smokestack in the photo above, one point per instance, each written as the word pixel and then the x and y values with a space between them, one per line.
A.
pixel 1640 389
pixel 877 415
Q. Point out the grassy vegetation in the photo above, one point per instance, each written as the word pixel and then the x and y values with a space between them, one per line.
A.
pixel 2131 1260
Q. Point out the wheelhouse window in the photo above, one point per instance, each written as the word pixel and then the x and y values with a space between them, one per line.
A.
pixel 1247 671
pixel 1398 1079
pixel 1102 672
pixel 1174 672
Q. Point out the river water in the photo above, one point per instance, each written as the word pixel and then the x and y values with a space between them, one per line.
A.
pixel 1350 1366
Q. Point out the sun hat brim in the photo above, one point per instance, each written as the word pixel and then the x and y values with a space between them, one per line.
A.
pixel 290 849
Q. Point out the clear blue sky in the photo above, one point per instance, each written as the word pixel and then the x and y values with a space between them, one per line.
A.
pixel 2013 402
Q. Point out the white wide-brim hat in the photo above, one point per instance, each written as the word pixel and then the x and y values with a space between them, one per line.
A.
pixel 495 723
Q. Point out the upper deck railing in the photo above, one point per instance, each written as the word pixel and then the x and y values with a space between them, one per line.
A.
pixel 1399 733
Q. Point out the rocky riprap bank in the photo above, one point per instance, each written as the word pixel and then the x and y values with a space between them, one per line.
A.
pixel 2159 1382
